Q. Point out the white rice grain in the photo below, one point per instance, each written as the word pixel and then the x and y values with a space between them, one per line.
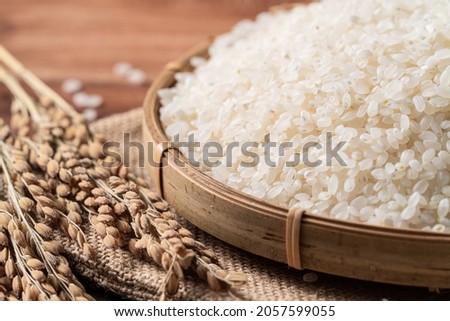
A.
pixel 90 114
pixel 122 69
pixel 443 208
pixel 373 73
pixel 71 85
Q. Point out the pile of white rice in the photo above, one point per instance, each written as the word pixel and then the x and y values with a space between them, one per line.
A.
pixel 373 73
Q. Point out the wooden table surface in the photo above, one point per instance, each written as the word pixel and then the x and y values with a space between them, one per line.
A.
pixel 60 39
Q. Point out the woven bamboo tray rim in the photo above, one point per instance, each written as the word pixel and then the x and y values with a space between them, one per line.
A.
pixel 406 239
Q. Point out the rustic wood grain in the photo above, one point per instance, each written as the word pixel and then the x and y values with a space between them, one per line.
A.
pixel 58 39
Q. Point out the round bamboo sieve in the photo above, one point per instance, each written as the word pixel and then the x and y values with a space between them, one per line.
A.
pixel 300 239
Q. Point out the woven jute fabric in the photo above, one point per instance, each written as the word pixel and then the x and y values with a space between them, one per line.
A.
pixel 136 279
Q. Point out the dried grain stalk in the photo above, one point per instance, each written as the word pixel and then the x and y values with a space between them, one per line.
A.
pixel 57 160
pixel 30 256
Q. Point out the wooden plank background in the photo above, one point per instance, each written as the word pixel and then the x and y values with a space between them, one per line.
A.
pixel 58 39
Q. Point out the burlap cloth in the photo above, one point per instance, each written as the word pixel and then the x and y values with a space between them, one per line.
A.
pixel 132 278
